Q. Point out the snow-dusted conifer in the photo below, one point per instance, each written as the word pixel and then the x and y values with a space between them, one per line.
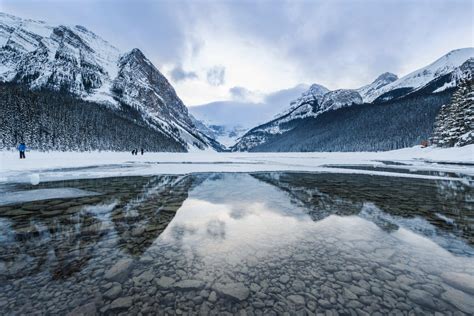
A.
pixel 454 124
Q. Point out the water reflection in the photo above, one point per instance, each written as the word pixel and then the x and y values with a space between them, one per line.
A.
pixel 61 235
pixel 144 217
pixel 232 215
pixel 444 207
pixel 261 243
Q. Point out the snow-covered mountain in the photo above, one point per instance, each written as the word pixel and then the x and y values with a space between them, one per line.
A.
pixel 316 100
pixel 445 73
pixel 337 99
pixel 303 104
pixel 75 60
pixel 371 89
pixel 308 104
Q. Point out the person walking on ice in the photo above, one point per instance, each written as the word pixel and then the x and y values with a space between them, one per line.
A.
pixel 22 149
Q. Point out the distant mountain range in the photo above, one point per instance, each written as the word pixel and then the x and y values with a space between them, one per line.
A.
pixel 389 113
pixel 75 61
pixel 228 120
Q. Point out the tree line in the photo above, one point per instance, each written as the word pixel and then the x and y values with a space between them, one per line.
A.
pixel 51 120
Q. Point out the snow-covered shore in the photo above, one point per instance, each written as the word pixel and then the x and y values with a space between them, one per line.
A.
pixel 71 165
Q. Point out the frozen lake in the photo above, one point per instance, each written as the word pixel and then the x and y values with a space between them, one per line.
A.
pixel 241 243
pixel 54 166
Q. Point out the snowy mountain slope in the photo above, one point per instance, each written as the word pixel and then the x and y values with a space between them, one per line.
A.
pixel 302 104
pixel 337 99
pixel 61 57
pixel 448 65
pixel 75 60
pixel 460 75
pixel 318 99
pixel 371 89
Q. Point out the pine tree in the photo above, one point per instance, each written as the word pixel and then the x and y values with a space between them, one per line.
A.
pixel 454 125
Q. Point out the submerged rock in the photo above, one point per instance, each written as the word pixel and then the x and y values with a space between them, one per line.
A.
pixel 189 284
pixel 343 276
pixel 298 285
pixel 461 300
pixel 165 282
pixel 145 277
pixel 236 291
pixel 296 299
pixel 385 275
pixel 255 287
pixel 212 297
pixel 122 303
pixel 113 292
pixel 284 278
pixel 422 298
pixel 119 271
pixel 84 310
pixel 460 281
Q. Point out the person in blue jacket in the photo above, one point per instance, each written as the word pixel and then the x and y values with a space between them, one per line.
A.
pixel 22 149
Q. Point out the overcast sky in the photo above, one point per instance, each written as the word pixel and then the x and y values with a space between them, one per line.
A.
pixel 223 50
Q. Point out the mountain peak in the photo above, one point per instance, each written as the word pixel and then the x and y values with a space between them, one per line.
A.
pixel 306 101
pixel 138 56
pixel 381 81
pixel 316 86
pixel 137 51
pixel 386 77
pixel 316 91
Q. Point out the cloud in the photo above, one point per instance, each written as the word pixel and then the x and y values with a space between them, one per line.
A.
pixel 179 74
pixel 282 98
pixel 270 45
pixel 216 76
pixel 239 93
pixel 243 94
pixel 247 113
pixel 344 44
